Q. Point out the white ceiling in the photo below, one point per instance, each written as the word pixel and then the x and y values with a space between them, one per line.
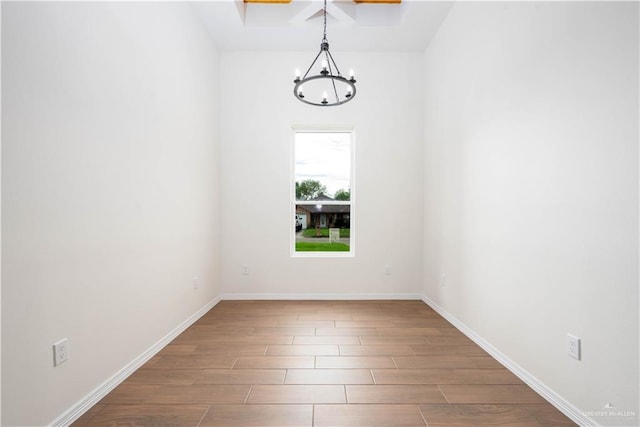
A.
pixel 408 26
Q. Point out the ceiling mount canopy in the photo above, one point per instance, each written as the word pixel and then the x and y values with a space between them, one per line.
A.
pixel 327 88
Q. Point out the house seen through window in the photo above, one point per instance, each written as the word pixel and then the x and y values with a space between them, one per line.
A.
pixel 323 167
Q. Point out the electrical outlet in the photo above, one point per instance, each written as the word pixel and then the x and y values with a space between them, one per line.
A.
pixel 387 270
pixel 60 352
pixel 244 270
pixel 196 283
pixel 573 346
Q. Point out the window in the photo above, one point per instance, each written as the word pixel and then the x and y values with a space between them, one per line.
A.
pixel 323 193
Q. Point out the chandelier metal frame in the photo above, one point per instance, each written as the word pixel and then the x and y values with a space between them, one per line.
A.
pixel 326 73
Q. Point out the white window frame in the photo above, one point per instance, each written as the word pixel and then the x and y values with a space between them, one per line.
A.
pixel 352 192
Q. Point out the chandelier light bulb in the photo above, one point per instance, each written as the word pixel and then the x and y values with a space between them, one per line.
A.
pixel 325 67
pixel 297 79
pixel 324 98
pixel 300 92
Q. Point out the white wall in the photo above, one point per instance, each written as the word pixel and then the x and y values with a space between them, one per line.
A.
pixel 109 191
pixel 531 189
pixel 256 136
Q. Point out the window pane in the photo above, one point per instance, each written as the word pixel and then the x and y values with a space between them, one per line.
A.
pixel 323 164
pixel 322 172
pixel 323 228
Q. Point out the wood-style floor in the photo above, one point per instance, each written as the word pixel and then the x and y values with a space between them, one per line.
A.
pixel 322 363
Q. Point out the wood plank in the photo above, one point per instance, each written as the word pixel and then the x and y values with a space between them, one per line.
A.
pixel 131 393
pixel 491 394
pixel 444 376
pixel 245 322
pixel 274 362
pixel 328 315
pixel 208 339
pixel 306 324
pixel 191 334
pixel 393 340
pixel 329 376
pixel 302 350
pixel 346 331
pixel 446 361
pixel 368 415
pixel 396 317
pixel 242 376
pixel 548 415
pixel 376 350
pixel 284 331
pixel 433 322
pixel 459 350
pixel 149 415
pixel 194 362
pixel 165 376
pixel 491 415
pixel 423 332
pixel 327 339
pixel 354 362
pixel 178 350
pixel 397 394
pixel 200 394
pixel 258 416
pixel 297 394
pixel 230 350
pixel 449 340
pixel 364 324
pixel 479 415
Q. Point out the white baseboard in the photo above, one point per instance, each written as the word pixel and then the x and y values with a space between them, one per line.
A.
pixel 539 387
pixel 319 297
pixel 103 389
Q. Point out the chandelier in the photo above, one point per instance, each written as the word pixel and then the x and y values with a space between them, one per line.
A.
pixel 327 88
